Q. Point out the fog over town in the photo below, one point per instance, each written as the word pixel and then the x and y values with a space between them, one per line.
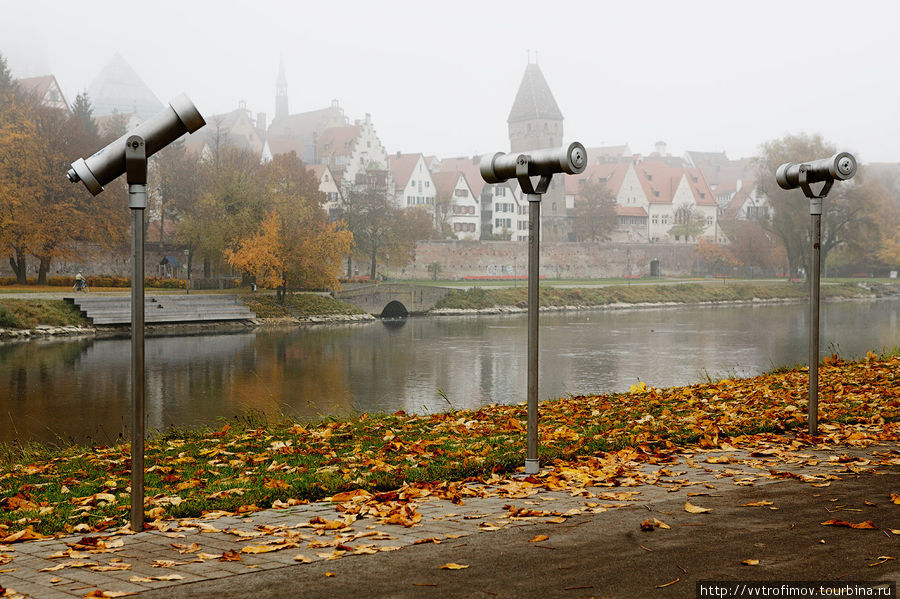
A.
pixel 439 79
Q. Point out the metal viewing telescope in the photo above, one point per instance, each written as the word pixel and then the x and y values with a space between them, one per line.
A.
pixel 522 167
pixel 840 167
pixel 128 155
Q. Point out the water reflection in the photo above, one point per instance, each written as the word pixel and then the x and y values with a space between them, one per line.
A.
pixel 80 389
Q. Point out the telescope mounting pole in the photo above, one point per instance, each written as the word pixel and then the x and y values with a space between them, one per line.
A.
pixel 136 174
pixel 815 212
pixel 533 195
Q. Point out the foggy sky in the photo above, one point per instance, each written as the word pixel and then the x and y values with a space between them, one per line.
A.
pixel 440 77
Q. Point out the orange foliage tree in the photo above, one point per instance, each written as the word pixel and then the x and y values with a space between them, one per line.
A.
pixel 295 246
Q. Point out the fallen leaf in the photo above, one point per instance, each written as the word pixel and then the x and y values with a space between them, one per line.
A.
pixel 182 549
pixel 166 578
pixel 750 562
pixel 267 548
pixel 454 566
pixel 695 509
pixel 662 586
pixel 895 498
pixel 538 539
pixel 330 574
pixel 760 503
pixel 867 524
pixel 230 556
pixel 880 560
pixel 300 558
pixel 108 594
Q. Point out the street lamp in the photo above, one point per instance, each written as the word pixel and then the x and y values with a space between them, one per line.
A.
pixel 187 269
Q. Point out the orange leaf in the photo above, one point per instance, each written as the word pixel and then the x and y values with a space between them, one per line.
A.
pixel 538 539
pixel 859 525
pixel 695 509
pixel 453 566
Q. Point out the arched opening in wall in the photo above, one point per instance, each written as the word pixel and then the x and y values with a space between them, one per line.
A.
pixel 395 310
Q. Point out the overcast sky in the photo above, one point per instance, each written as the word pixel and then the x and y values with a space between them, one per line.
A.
pixel 440 77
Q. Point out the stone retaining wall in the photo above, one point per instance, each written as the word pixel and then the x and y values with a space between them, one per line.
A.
pixel 559 260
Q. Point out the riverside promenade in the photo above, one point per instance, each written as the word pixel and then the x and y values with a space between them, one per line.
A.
pixel 829 514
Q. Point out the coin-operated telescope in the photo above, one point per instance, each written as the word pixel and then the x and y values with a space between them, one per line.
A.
pixel 840 167
pixel 128 155
pixel 109 163
pixel 545 163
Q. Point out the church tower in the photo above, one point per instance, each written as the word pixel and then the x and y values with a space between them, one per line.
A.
pixel 281 97
pixel 535 121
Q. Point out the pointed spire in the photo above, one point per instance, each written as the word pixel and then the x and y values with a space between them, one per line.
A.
pixel 534 99
pixel 281 95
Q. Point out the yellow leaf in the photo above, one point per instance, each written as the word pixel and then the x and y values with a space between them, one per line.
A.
pixel 660 524
pixel 695 509
pixel 538 539
pixel 330 574
pixel 895 498
pixel 881 559
pixel 757 503
pixel 750 562
pixel 454 566
pixel 302 559
pixel 266 548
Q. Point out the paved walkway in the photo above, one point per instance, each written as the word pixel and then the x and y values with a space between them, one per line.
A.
pixel 576 542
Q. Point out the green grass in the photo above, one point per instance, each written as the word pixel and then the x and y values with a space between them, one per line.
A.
pixel 480 298
pixel 255 463
pixel 297 305
pixel 27 314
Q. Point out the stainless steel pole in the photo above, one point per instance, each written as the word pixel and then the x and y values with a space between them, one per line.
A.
pixel 532 462
pixel 815 211
pixel 136 172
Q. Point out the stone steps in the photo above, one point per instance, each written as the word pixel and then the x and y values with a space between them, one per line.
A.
pixel 162 309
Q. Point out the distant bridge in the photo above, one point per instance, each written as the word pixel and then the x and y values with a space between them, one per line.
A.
pixel 393 300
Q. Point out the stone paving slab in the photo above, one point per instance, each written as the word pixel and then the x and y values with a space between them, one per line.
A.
pixel 693 475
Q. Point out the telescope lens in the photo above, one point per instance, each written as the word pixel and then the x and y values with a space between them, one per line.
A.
pixel 845 165
pixel 578 158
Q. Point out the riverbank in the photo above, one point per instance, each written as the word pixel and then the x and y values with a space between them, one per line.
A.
pixel 601 440
pixel 511 300
pixel 23 319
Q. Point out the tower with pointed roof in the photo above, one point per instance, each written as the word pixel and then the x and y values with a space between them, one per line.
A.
pixel 281 97
pixel 535 121
pixel 118 88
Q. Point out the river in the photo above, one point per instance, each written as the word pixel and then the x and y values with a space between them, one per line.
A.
pixel 79 390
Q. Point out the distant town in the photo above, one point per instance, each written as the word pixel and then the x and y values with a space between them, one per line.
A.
pixel 701 198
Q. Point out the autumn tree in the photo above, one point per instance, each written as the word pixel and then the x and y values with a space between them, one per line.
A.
pixel 230 207
pixel 751 245
pixel 850 212
pixel 177 184
pixel 296 246
pixel 595 212
pixel 689 223
pixel 383 232
pixel 19 151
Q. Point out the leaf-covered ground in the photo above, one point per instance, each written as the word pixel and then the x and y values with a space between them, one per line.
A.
pixel 585 440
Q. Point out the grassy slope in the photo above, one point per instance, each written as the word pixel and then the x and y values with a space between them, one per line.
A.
pixel 243 467
pixel 479 298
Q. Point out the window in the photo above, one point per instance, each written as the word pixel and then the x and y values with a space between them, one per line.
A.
pixel 655 219
pixel 708 221
pixel 326 179
pixel 427 184
pixel 409 200
pixel 461 193
pixel 665 219
pixel 500 191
